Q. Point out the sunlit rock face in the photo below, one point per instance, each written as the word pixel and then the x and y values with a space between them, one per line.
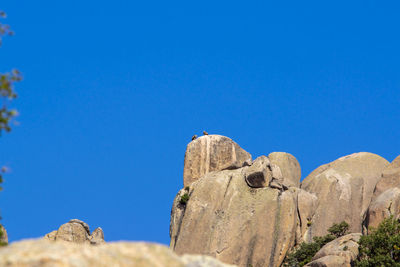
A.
pixel 386 198
pixel 212 153
pixel 243 213
pixel 76 231
pixel 254 213
pixel 344 190
pixel 227 219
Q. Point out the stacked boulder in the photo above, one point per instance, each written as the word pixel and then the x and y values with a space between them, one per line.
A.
pixel 252 213
pixel 77 231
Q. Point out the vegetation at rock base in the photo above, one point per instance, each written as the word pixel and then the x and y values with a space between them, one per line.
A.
pixel 184 199
pixel 306 251
pixel 381 247
pixel 1 234
pixel 7 94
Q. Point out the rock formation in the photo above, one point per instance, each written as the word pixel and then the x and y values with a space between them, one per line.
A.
pixel 77 231
pixel 340 252
pixel 344 189
pixel 212 153
pixel 35 253
pixel 289 166
pixel 240 212
pixel 386 198
pixel 253 213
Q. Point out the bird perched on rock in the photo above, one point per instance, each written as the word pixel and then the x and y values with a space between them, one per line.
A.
pixel 194 137
pixel 205 133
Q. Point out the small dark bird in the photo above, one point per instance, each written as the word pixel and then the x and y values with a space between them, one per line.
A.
pixel 194 137
pixel 205 133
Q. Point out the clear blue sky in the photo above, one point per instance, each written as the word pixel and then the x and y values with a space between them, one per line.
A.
pixel 114 90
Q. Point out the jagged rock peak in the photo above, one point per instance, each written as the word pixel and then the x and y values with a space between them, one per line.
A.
pixel 212 153
pixel 76 231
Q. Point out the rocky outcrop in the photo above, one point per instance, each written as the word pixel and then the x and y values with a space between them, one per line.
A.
pixel 390 178
pixel 42 253
pixel 290 167
pixel 253 213
pixel 77 231
pixel 329 261
pixel 386 198
pixel 3 236
pixel 212 153
pixel 234 222
pixel 384 206
pixel 344 190
pixel 306 207
pixel 342 251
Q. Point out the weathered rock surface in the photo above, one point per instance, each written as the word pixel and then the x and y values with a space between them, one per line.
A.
pixel 237 224
pixel 345 247
pixel 386 197
pixel 76 231
pixel 289 166
pixel 390 178
pixel 306 207
pixel 259 174
pixel 329 261
pixel 4 237
pixel 344 189
pixel 43 253
pixel 212 153
pixel 385 205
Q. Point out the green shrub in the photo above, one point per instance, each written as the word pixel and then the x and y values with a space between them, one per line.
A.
pixel 1 235
pixel 381 247
pixel 184 199
pixel 339 230
pixel 306 251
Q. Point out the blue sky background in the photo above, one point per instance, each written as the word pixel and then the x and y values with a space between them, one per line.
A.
pixel 114 90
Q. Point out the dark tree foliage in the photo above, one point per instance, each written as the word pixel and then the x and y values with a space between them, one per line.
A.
pixel 381 247
pixel 306 251
pixel 339 230
pixel 7 94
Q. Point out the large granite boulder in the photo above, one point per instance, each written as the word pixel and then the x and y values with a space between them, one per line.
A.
pixel 384 206
pixel 226 218
pixel 212 153
pixel 345 247
pixel 289 166
pixel 43 253
pixel 344 190
pixel 386 198
pixel 77 231
pixel 3 236
pixel 390 178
